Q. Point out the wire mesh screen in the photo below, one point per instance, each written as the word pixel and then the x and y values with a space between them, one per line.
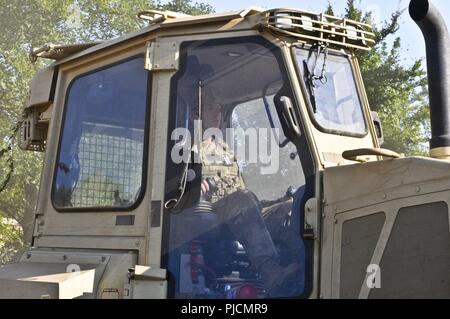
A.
pixel 110 167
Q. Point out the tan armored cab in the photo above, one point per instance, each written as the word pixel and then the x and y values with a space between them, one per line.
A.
pixel 226 156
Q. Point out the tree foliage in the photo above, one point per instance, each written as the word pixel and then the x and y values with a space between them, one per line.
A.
pixel 11 239
pixel 398 92
pixel 32 23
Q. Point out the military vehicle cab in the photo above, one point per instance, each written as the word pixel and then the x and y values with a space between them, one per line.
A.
pixel 122 211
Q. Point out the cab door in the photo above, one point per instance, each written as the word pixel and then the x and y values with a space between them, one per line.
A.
pixel 234 95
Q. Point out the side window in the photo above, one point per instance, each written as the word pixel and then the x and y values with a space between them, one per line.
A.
pixel 334 99
pixel 242 238
pixel 100 160
pixel 282 164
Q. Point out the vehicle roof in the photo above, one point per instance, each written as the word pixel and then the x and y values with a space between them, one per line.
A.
pixel 321 23
pixel 64 53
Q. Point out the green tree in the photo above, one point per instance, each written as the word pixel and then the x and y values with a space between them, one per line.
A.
pixel 11 239
pixel 396 91
pixel 186 7
pixel 31 23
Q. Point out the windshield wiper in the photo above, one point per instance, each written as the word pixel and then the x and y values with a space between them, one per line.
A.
pixel 310 76
pixel 310 85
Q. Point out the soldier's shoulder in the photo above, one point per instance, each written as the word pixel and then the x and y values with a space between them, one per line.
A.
pixel 222 144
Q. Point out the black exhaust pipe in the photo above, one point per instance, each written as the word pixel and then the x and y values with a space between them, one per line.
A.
pixel 437 40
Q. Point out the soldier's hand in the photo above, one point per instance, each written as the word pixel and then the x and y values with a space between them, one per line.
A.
pixel 205 187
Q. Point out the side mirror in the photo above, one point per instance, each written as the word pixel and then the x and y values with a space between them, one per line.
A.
pixel 378 128
pixel 32 134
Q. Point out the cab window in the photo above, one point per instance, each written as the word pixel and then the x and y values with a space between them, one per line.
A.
pixel 332 93
pixel 101 155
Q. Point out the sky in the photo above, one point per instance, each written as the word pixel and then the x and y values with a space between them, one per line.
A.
pixel 413 45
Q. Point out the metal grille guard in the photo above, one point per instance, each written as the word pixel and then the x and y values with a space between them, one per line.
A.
pixel 310 27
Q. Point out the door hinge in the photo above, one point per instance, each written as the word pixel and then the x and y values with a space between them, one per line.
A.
pixel 39 226
pixel 162 56
pixel 311 225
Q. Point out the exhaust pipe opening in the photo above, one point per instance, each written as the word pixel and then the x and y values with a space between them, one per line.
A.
pixel 418 9
pixel 437 41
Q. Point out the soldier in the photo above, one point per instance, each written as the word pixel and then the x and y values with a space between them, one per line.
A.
pixel 238 208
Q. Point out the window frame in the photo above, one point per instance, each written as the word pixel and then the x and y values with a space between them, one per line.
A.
pixel 143 188
pixel 301 142
pixel 307 99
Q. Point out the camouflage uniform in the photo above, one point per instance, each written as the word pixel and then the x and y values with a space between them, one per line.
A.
pixel 220 169
pixel 240 209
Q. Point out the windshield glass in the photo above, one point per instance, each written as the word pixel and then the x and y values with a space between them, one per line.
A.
pixel 332 91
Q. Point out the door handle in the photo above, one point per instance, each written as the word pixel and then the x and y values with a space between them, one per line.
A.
pixel 289 114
